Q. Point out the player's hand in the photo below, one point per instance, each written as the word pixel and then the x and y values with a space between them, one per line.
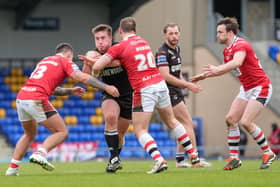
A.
pixel 95 73
pixel 82 57
pixel 78 91
pixel 210 70
pixel 194 87
pixel 198 77
pixel 112 90
pixel 114 63
pixel 88 60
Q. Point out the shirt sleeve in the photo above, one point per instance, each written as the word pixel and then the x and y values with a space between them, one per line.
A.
pixel 70 67
pixel 240 47
pixel 115 51
pixel 161 59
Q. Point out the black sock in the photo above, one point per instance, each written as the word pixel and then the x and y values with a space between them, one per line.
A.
pixel 120 150
pixel 180 157
pixel 112 139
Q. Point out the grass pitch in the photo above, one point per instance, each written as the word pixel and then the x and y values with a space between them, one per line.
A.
pixel 83 174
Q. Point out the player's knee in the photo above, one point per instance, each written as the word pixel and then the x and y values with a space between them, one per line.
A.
pixel 188 123
pixel 246 124
pixel 111 119
pixel 121 132
pixel 30 136
pixel 230 121
pixel 172 123
pixel 64 133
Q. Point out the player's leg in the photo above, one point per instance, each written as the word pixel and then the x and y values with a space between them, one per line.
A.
pixel 111 111
pixel 25 109
pixel 140 123
pixel 258 98
pixel 30 131
pixel 252 110
pixel 125 103
pixel 123 125
pixel 183 116
pixel 166 114
pixel 55 124
pixel 143 106
pixel 233 133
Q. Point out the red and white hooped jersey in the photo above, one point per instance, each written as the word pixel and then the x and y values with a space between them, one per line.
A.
pixel 49 73
pixel 137 58
pixel 250 73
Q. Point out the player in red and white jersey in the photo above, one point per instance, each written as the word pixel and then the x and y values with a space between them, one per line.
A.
pixel 149 91
pixel 250 73
pixel 255 91
pixel 135 49
pixel 33 106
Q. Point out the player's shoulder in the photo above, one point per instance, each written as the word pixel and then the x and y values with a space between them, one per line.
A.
pixel 64 60
pixel 54 57
pixel 163 49
pixel 55 60
pixel 241 42
pixel 119 44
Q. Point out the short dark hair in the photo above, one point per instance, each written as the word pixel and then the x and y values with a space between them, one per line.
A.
pixel 128 24
pixel 170 25
pixel 231 24
pixel 63 47
pixel 102 27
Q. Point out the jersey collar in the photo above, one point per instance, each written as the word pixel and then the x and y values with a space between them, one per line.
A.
pixel 235 38
pixel 174 49
pixel 130 35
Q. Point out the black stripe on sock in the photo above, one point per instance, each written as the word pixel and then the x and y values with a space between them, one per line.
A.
pixel 152 150
pixel 233 144
pixel 261 141
pixel 187 143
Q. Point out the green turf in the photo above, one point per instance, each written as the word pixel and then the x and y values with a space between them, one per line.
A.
pixel 83 174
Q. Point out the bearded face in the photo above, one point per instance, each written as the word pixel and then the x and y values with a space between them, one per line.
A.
pixel 172 35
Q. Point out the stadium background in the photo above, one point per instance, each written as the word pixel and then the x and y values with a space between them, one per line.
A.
pixel 30 29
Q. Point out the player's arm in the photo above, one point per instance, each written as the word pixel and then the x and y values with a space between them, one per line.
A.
pixel 114 63
pixel 87 68
pixel 181 83
pixel 89 59
pixel 101 63
pixel 59 91
pixel 94 82
pixel 211 70
pixel 163 67
pixel 171 79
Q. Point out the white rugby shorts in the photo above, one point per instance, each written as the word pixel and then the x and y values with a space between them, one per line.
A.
pixel 155 95
pixel 259 93
pixel 33 110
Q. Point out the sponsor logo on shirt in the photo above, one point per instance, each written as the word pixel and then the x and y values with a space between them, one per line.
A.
pixel 170 52
pixel 161 59
pixel 176 68
pixel 49 62
pixel 150 76
pixel 29 89
pixel 112 71
pixel 236 72
pixel 75 67
pixel 146 47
